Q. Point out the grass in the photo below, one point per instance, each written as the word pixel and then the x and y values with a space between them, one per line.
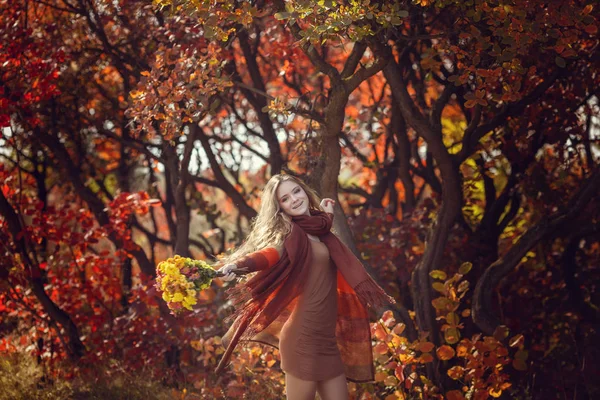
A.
pixel 21 378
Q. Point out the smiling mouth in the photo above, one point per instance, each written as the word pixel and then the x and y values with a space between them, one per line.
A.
pixel 293 208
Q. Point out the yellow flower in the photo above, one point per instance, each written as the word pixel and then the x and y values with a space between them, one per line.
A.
pixel 177 297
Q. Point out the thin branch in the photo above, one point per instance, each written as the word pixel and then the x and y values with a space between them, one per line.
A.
pixel 299 111
pixel 506 111
pixel 353 148
pixel 224 184
pixel 356 190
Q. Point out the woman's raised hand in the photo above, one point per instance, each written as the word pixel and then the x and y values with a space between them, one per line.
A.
pixel 228 274
pixel 327 205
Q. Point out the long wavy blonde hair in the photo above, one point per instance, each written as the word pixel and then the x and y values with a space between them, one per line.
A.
pixel 271 226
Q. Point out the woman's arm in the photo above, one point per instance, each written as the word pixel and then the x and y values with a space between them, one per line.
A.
pixel 327 206
pixel 258 260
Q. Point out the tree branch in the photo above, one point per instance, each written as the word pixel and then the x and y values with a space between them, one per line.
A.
pixel 482 307
pixel 224 184
pixel 318 61
pixel 365 73
pixel 438 106
pixel 505 112
pixel 353 59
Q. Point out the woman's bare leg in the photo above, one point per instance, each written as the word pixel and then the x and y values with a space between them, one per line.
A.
pixel 298 389
pixel 334 388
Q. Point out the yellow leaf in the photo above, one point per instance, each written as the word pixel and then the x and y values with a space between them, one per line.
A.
pixel 439 286
pixel 380 376
pixel 438 274
pixel 452 319
pixel 465 268
pixel 451 335
pixel 390 381
pixel 136 93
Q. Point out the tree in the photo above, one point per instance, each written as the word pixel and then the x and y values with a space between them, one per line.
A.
pixel 463 132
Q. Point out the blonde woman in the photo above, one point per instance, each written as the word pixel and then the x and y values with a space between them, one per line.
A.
pixel 309 296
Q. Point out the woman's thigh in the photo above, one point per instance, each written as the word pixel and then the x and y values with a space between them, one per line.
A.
pixel 298 389
pixel 334 388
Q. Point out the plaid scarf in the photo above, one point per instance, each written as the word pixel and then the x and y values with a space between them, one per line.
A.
pixel 264 303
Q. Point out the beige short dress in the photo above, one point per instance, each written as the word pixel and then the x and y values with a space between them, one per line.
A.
pixel 307 343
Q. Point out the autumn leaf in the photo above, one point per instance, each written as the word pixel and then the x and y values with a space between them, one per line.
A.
pixel 445 352
pixel 426 358
pixel 425 346
pixel 454 395
pixel 456 372
pixel 451 335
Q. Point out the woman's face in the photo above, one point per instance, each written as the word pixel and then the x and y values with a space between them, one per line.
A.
pixel 292 199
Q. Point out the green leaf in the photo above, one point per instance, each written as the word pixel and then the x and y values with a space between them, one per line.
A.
pixel 439 286
pixel 209 32
pixel 452 319
pixel 452 335
pixel 281 15
pixel 438 274
pixel 440 303
pixel 463 286
pixel 560 62
pixel 465 268
pixel 501 333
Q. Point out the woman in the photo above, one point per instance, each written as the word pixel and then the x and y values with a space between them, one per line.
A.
pixel 309 295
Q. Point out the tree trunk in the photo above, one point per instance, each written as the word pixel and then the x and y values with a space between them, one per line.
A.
pixel 448 212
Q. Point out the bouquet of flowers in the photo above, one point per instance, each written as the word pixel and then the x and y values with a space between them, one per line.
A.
pixel 180 279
